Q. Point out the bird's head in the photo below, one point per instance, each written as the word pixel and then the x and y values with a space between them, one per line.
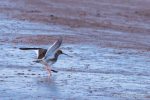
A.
pixel 59 52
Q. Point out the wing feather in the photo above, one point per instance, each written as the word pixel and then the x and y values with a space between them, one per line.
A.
pixel 39 51
pixel 51 50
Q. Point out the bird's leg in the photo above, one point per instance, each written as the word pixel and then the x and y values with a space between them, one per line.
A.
pixel 55 71
pixel 49 70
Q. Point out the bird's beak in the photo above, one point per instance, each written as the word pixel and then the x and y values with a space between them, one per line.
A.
pixel 67 55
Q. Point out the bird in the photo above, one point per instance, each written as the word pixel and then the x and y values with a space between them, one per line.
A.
pixel 40 53
pixel 49 56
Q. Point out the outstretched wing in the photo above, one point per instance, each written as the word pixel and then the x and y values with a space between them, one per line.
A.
pixel 39 51
pixel 51 50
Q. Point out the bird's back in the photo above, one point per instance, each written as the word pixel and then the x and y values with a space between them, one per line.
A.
pixel 41 53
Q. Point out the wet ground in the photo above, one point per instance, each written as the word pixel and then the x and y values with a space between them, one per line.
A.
pixel 109 42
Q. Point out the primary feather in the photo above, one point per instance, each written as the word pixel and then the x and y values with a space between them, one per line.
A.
pixel 52 50
pixel 39 51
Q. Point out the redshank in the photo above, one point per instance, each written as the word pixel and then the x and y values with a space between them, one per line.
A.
pixel 48 56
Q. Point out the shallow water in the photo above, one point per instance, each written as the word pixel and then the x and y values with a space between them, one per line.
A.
pixel 92 72
pixel 26 27
pixel 108 42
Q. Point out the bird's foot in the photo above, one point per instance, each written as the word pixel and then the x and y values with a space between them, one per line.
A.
pixel 55 71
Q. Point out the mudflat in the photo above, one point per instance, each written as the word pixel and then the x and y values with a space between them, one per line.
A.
pixel 109 41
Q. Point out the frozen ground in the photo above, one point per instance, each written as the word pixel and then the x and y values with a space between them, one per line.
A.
pixel 109 41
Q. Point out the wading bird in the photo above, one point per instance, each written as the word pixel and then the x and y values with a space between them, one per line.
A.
pixel 48 56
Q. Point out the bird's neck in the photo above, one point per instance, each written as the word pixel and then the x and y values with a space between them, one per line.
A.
pixel 56 56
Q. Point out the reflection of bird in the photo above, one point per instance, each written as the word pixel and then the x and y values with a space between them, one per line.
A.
pixel 48 57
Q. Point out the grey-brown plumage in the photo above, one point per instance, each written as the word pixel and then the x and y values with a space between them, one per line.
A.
pixel 48 56
pixel 40 53
pixel 51 55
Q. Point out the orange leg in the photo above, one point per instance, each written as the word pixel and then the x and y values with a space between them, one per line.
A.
pixel 48 69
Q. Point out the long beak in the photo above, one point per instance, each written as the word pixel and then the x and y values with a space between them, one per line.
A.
pixel 67 55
